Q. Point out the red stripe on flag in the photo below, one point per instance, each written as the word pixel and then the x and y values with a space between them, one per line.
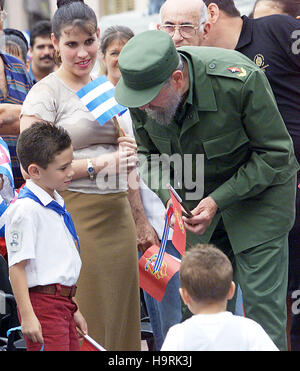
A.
pixel 88 347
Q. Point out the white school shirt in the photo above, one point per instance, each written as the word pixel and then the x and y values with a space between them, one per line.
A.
pixel 218 332
pixel 39 235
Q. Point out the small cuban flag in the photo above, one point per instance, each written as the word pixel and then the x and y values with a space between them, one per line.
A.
pixel 98 97
pixel 5 163
pixel 7 192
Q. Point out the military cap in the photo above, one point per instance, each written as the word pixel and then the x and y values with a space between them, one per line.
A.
pixel 146 62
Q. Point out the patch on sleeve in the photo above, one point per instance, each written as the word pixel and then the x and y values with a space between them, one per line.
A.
pixel 14 242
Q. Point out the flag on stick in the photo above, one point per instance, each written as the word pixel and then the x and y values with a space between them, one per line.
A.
pixel 98 97
pixel 90 345
pixel 5 163
pixel 179 234
pixel 7 191
pixel 155 283
pixel 164 241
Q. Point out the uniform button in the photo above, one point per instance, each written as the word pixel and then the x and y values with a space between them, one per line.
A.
pixel 212 66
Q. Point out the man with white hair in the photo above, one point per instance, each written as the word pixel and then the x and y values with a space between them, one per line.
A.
pixel 187 24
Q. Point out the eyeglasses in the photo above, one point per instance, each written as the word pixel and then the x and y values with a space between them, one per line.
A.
pixel 3 15
pixel 186 31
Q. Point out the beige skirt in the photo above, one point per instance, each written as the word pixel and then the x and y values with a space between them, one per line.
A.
pixel 108 286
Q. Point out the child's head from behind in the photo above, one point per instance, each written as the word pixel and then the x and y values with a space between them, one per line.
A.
pixel 45 153
pixel 206 274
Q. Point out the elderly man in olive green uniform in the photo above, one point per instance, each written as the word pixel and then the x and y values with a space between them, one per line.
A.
pixel 215 102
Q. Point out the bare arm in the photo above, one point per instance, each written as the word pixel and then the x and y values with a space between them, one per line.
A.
pixel 80 321
pixel 9 119
pixel 146 235
pixel 30 324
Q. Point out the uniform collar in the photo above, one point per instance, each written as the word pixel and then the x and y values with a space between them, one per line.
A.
pixel 202 94
pixel 189 98
pixel 43 196
pixel 246 33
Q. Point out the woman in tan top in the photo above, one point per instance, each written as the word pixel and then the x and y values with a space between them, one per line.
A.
pixel 108 290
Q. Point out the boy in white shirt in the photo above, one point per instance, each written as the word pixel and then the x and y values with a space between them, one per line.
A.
pixel 44 263
pixel 206 285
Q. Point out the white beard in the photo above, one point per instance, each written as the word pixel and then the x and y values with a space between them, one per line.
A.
pixel 165 115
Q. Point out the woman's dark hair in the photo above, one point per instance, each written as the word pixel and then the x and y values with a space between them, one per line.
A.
pixel 290 7
pixel 74 13
pixel 112 33
pixel 60 3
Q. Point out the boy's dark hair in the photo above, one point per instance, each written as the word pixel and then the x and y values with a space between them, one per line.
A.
pixel 2 3
pixel 227 6
pixel 40 143
pixel 40 29
pixel 206 273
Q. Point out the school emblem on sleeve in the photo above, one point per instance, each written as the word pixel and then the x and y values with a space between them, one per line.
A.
pixel 14 241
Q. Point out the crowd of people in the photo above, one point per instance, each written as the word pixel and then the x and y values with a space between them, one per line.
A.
pixel 207 82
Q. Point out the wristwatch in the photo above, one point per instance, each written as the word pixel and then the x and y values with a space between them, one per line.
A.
pixel 90 169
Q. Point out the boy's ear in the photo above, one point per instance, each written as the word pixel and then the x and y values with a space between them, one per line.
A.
pixel 231 291
pixel 23 172
pixel 34 171
pixel 185 296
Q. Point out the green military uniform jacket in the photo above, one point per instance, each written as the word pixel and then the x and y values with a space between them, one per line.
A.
pixel 230 116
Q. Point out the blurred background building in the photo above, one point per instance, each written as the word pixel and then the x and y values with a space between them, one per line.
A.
pixel 139 15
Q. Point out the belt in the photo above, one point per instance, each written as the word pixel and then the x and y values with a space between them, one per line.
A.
pixel 55 289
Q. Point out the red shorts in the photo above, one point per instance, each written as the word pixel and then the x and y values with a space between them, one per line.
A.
pixel 55 314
